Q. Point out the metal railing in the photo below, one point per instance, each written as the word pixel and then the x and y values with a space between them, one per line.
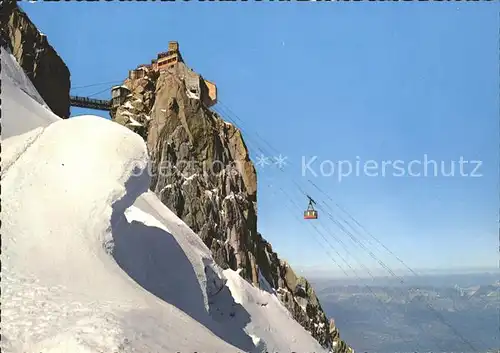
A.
pixel 90 103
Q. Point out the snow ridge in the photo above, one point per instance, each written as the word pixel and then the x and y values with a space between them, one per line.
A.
pixel 12 70
pixel 94 262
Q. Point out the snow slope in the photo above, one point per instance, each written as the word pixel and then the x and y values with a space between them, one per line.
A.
pixel 20 98
pixel 93 262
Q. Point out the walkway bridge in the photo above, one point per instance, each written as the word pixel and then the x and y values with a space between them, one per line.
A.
pixel 90 103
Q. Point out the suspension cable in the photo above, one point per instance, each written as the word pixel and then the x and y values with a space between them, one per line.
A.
pixel 355 240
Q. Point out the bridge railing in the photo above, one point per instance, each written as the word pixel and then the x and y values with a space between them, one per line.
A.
pixel 91 103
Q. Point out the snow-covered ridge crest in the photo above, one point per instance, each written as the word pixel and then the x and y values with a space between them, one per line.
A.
pixel 94 262
pixel 10 71
pixel 23 109
pixel 62 202
pixel 71 170
pixel 94 273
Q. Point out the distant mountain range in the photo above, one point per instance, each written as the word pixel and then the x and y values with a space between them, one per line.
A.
pixel 432 313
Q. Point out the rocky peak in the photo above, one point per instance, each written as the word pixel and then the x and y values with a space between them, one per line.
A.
pixel 43 66
pixel 201 170
pixel 200 164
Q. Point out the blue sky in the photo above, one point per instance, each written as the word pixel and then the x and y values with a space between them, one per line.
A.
pixel 340 81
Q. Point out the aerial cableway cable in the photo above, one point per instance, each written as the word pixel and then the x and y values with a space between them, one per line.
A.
pixel 241 121
pixel 429 306
pixel 251 142
pixel 360 226
pixel 402 293
pixel 343 228
pixel 326 195
pixel 339 241
pixel 102 91
pixel 389 270
pixel 364 229
pixel 356 241
pixel 438 315
pixel 107 89
pixel 96 84
pixel 227 109
pixel 386 312
pixel 306 195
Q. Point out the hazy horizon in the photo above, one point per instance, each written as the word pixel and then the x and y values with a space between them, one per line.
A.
pixel 335 273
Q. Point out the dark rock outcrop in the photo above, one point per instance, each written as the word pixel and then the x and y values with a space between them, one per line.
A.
pixel 200 164
pixel 202 171
pixel 43 66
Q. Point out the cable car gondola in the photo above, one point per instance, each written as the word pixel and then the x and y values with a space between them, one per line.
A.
pixel 310 213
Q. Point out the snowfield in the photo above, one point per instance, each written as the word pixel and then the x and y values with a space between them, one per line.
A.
pixel 92 261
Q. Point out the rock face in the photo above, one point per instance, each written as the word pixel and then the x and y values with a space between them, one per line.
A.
pixel 201 170
pixel 200 165
pixel 46 70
